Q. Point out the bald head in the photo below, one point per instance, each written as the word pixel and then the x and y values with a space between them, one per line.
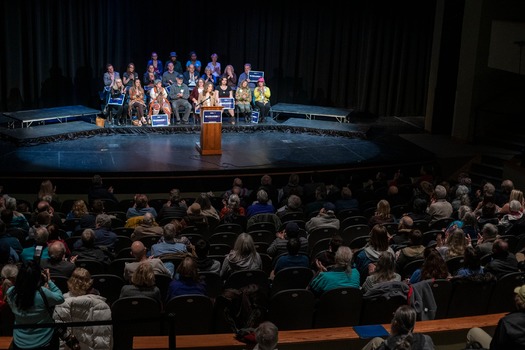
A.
pixel 406 222
pixel 148 219
pixel 138 250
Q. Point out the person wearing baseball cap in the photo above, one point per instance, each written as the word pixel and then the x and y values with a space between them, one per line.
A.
pixel 509 332
pixel 178 97
pixel 177 66
pixel 325 219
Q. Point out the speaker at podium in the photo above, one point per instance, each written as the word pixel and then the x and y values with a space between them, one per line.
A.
pixel 211 131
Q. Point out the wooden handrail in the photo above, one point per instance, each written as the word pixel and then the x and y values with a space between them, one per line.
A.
pixel 304 336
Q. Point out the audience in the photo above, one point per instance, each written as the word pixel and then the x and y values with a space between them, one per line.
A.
pixel 326 218
pixel 279 244
pixel 205 263
pixel 503 261
pixel 139 252
pixel 266 336
pixel 384 272
pixel 243 256
pixel 147 228
pixel 292 258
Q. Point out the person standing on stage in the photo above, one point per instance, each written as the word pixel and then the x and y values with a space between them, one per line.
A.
pixel 208 97
pixel 178 96
pixel 262 98
pixel 129 76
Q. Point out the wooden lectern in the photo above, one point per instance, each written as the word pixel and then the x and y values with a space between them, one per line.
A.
pixel 211 131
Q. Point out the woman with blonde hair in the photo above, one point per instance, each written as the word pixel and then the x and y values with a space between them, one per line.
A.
pixel 382 214
pixel 79 211
pixel 142 283
pixel 454 245
pixel 82 303
pixel 243 256
pixel 47 192
pixel 514 195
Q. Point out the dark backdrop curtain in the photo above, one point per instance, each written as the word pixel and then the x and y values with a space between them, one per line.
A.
pixel 370 56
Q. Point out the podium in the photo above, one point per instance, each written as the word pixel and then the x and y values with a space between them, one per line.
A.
pixel 211 131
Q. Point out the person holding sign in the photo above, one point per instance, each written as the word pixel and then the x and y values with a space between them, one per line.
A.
pixel 116 101
pixel 262 98
pixel 224 91
pixel 178 96
pixel 246 76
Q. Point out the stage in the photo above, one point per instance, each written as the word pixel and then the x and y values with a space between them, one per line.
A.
pixel 277 146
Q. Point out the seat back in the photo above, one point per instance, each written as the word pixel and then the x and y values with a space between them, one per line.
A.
pixel 134 316
pixel 116 267
pixel 441 289
pixel 353 220
pixel 108 286
pixel 291 278
pixel 380 310
pixel 213 281
pixel 320 233
pixel 239 279
pixel 346 213
pixel 219 249
pixel 441 223
pixel 149 240
pixel 292 309
pixel 410 267
pixel 454 264
pixel 469 298
pixel 235 228
pixel 94 267
pixel 227 238
pixel 339 307
pixel 502 298
pixel 262 236
pixel 354 231
pixel 192 314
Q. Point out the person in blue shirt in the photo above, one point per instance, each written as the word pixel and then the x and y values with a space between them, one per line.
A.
pixel 186 280
pixel 26 299
pixel 293 258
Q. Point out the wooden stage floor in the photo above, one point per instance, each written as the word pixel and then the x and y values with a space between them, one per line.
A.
pixel 278 146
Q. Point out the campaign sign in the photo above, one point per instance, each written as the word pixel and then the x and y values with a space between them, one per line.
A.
pixel 254 75
pixel 255 117
pixel 168 88
pixel 212 116
pixel 160 120
pixel 227 103
pixel 116 101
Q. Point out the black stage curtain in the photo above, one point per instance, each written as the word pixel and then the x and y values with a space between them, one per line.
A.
pixel 372 56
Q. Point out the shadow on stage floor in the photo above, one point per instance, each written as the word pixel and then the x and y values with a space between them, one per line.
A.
pixel 277 147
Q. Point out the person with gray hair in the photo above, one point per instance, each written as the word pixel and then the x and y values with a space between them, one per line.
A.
pixel 41 238
pixel 147 228
pixel 56 263
pixel 462 197
pixel 294 204
pixel 439 207
pixel 342 274
pixel 243 256
pixel 103 234
pixel 266 336
pixel 88 250
pixel 261 205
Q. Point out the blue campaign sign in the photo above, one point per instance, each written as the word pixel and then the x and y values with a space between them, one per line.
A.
pixel 254 75
pixel 212 116
pixel 160 120
pixel 226 102
pixel 255 117
pixel 117 101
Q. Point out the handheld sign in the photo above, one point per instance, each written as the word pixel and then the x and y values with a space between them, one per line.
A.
pixel 116 101
pixel 254 75
pixel 227 103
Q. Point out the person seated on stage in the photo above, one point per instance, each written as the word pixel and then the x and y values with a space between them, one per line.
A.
pixel 243 100
pixel 194 61
pixel 214 65
pixel 129 76
pixel 136 101
pixel 208 97
pixel 109 79
pixel 177 67
pixel 246 76
pixel 229 73
pixel 117 111
pixel 158 101
pixel 149 78
pixel 157 64
pixel 208 76
pixel 194 96
pixel 110 75
pixel 169 76
pixel 191 76
pixel 224 91
pixel 178 96
pixel 262 99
